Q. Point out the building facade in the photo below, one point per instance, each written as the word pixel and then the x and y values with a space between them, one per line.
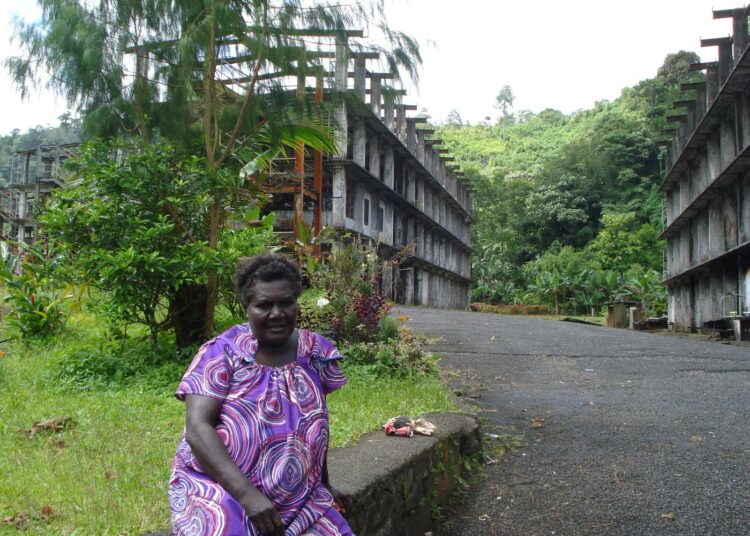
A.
pixel 389 182
pixel 707 188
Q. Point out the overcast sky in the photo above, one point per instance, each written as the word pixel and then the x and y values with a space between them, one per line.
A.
pixel 554 54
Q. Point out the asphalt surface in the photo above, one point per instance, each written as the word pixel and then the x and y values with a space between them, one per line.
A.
pixel 641 433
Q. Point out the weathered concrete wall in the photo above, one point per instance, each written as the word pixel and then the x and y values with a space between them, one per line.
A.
pixel 708 188
pixel 395 482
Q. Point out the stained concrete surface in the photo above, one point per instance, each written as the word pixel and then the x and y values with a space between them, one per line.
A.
pixel 642 433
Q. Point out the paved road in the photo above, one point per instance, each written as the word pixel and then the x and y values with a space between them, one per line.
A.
pixel 642 433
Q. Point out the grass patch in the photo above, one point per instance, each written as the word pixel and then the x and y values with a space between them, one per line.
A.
pixel 365 403
pixel 106 473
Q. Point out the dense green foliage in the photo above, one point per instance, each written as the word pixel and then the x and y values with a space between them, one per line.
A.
pixel 32 294
pixel 135 227
pixel 582 187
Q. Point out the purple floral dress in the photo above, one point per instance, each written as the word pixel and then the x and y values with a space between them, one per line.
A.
pixel 274 423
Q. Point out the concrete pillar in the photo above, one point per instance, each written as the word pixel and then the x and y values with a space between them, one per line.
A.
pixel 725 59
pixel 389 112
pixel 714 157
pixel 375 95
pixel 410 231
pixel 388 224
pixel 743 120
pixel 426 154
pixel 388 281
pixel 340 81
pixel 409 286
pixel 401 123
pixel 419 249
pixel 411 186
pixel 388 166
pixel 727 140
pixel 712 84
pixel 22 208
pixel 420 148
pixel 435 281
pixel 374 164
pixel 420 194
pixel 729 212
pixel 338 208
pixel 701 222
pixel 419 281
pixel 428 197
pixel 411 136
pixel 685 247
pixel 359 141
pixel 700 102
pixel 360 76
pixel 425 287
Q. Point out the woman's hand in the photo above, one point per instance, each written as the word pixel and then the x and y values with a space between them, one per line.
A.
pixel 342 499
pixel 262 513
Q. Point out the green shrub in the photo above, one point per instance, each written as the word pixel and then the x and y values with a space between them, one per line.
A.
pixel 316 313
pixel 352 279
pixel 120 365
pixel 35 305
pixel 388 329
pixel 399 358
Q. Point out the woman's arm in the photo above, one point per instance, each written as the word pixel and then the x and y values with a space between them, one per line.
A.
pixel 202 416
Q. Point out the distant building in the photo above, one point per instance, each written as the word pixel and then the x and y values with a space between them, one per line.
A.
pixel 707 186
pixel 34 174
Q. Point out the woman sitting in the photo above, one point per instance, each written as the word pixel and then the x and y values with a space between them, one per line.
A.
pixel 253 456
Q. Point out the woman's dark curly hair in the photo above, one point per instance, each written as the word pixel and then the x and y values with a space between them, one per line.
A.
pixel 265 267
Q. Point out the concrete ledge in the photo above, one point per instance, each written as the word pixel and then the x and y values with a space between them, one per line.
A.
pixel 395 482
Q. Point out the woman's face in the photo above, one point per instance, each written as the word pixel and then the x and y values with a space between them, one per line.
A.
pixel 272 312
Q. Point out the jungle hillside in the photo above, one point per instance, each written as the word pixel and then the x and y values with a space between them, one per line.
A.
pixel 567 208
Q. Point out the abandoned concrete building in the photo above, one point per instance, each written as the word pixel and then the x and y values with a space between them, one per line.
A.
pixel 389 183
pixel 34 174
pixel 707 187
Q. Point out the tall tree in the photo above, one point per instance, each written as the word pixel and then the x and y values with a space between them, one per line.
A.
pixel 504 102
pixel 198 73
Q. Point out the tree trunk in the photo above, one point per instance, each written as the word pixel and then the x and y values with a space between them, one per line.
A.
pixel 212 288
pixel 187 310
